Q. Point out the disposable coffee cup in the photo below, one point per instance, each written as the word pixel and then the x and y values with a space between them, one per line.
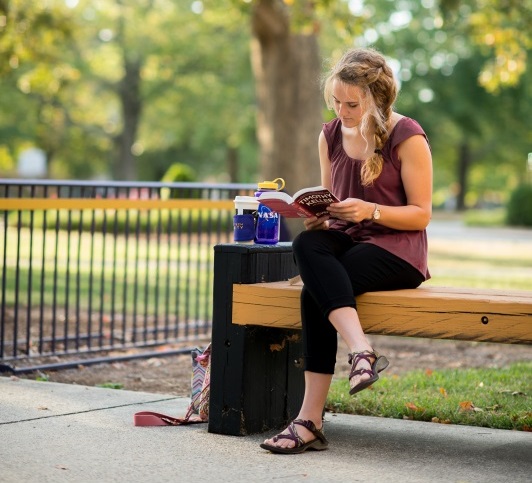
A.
pixel 243 228
pixel 246 205
pixel 244 219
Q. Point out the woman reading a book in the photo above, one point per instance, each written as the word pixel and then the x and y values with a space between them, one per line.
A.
pixel 378 163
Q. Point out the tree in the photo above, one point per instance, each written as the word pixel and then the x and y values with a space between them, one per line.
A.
pixel 501 28
pixel 485 124
pixel 287 71
pixel 30 50
pixel 478 134
pixel 287 67
pixel 140 85
pixel 286 61
pixel 125 88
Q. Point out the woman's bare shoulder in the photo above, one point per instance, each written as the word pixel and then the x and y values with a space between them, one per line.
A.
pixel 396 117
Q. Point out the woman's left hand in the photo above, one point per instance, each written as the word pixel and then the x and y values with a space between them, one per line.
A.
pixel 314 223
pixel 352 209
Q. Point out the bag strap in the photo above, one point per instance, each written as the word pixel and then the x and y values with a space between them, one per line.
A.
pixel 150 418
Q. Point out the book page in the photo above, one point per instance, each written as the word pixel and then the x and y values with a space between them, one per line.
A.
pixel 308 190
pixel 276 195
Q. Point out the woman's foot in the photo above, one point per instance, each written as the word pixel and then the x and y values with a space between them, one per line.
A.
pixel 299 436
pixel 365 366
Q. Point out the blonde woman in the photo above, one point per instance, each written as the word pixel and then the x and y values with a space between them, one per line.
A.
pixel 379 164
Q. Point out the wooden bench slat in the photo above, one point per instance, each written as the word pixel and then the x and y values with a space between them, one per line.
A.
pixel 432 312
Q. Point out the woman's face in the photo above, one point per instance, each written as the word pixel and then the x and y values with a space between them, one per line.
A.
pixel 347 101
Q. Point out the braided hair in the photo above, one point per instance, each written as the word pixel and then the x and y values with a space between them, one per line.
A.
pixel 368 70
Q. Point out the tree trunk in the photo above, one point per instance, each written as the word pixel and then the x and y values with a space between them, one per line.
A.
pixel 464 162
pixel 287 71
pixel 129 94
pixel 232 164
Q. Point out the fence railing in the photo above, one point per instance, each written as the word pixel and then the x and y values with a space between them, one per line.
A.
pixel 89 267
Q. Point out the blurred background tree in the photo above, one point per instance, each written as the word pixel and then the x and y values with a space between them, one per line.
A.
pixel 123 89
pixel 479 130
pixel 231 88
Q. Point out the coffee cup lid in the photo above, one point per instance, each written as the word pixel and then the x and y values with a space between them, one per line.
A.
pixel 246 199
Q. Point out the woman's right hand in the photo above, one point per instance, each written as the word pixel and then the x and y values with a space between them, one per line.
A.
pixel 315 223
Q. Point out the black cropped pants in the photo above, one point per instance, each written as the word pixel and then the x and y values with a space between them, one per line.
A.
pixel 334 269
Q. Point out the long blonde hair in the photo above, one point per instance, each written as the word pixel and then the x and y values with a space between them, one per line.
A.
pixel 368 70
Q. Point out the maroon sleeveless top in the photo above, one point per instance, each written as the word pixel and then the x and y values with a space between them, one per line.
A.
pixel 387 190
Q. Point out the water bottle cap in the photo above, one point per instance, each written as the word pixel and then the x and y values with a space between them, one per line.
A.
pixel 277 184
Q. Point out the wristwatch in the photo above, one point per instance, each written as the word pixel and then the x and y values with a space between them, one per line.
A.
pixel 376 213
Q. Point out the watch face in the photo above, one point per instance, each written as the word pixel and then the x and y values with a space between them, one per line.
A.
pixel 376 214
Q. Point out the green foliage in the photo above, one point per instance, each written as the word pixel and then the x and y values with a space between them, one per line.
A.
pixel 519 210
pixel 70 76
pixel 500 30
pixel 178 172
pixel 505 34
pixel 438 64
pixel 493 398
pixel 63 73
pixel 493 217
pixel 7 164
pixel 111 385
pixel 490 263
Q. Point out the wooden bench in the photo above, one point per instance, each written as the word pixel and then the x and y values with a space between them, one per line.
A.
pixel 257 377
pixel 481 315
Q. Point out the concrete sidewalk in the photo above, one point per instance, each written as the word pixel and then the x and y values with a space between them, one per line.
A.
pixel 66 433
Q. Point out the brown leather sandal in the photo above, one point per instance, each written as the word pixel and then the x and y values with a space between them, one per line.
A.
pixel 377 363
pixel 318 443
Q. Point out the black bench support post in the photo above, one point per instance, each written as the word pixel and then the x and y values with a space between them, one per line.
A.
pixel 256 372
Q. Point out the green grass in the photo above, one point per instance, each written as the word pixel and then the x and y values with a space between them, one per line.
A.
pixel 123 221
pixel 494 398
pixel 81 267
pixel 493 218
pixel 481 262
pixel 137 296
pixel 111 385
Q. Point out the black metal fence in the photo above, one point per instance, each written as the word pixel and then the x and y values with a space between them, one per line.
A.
pixel 88 267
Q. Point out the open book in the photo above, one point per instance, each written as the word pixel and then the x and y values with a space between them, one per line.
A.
pixel 305 203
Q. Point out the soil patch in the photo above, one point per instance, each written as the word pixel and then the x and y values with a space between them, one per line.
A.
pixel 171 374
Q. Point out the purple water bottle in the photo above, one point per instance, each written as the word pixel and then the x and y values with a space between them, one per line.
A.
pixel 268 221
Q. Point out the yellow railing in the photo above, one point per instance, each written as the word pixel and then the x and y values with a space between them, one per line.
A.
pixel 34 204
